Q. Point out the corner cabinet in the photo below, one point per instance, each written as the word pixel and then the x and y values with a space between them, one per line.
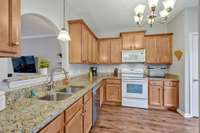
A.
pixel 83 44
pixel 10 28
pixel 158 48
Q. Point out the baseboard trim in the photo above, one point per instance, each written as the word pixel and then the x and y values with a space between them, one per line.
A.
pixel 181 112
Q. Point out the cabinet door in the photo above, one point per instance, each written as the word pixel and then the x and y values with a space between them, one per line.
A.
pixel 116 47
pixel 127 41
pixel 94 51
pixel 75 125
pixel 138 41
pixel 88 116
pixel 101 95
pixel 75 45
pixel 164 45
pixel 10 27
pixel 56 126
pixel 90 44
pixel 113 93
pixel 104 51
pixel 84 44
pixel 151 50
pixel 170 96
pixel 155 95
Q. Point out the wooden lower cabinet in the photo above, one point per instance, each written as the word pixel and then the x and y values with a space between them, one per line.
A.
pixel 156 96
pixel 76 119
pixel 163 94
pixel 171 94
pixel 88 115
pixel 113 92
pixel 56 126
pixel 102 94
pixel 75 125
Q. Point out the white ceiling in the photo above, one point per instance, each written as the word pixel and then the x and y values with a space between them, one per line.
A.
pixel 105 15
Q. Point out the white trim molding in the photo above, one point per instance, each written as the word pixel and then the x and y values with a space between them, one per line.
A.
pixel 181 112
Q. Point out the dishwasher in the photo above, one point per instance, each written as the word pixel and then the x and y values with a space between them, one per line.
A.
pixel 96 103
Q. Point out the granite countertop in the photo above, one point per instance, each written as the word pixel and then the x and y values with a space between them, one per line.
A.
pixel 31 114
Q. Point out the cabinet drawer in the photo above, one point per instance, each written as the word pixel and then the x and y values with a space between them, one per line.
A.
pixel 71 111
pixel 113 81
pixel 156 82
pixel 55 126
pixel 87 96
pixel 171 83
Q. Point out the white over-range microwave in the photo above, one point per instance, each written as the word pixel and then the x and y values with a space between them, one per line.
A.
pixel 131 56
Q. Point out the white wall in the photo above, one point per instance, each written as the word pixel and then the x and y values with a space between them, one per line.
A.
pixel 52 9
pixel 157 28
pixel 181 25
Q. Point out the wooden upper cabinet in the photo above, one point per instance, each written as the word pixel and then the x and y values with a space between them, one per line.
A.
pixel 133 40
pixel 158 48
pixel 94 51
pixel 90 45
pixel 151 50
pixel 10 28
pixel 115 49
pixel 75 45
pixel 104 51
pixel 83 45
pixel 165 49
pixel 84 51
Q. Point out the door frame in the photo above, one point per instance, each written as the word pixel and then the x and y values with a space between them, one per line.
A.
pixel 191 34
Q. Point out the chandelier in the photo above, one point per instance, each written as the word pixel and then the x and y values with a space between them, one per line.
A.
pixel 152 16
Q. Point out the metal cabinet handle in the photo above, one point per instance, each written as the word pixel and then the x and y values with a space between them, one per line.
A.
pixel 195 80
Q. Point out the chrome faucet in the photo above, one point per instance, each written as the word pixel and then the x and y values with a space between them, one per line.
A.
pixel 51 83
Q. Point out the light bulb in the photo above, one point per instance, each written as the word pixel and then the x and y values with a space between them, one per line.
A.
pixel 64 35
pixel 164 13
pixel 169 4
pixel 153 3
pixel 139 10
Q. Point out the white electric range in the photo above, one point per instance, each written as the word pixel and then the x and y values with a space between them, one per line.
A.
pixel 134 88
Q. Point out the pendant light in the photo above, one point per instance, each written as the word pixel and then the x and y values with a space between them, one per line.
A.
pixel 64 34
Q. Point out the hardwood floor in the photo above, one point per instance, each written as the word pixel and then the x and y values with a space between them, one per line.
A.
pixel 115 119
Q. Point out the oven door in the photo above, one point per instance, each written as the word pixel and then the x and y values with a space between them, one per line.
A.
pixel 135 89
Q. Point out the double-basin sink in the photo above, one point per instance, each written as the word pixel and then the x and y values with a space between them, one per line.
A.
pixel 62 94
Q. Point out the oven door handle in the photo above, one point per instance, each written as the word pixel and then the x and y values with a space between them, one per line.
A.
pixel 134 80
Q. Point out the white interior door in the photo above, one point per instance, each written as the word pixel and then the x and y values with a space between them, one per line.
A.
pixel 194 75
